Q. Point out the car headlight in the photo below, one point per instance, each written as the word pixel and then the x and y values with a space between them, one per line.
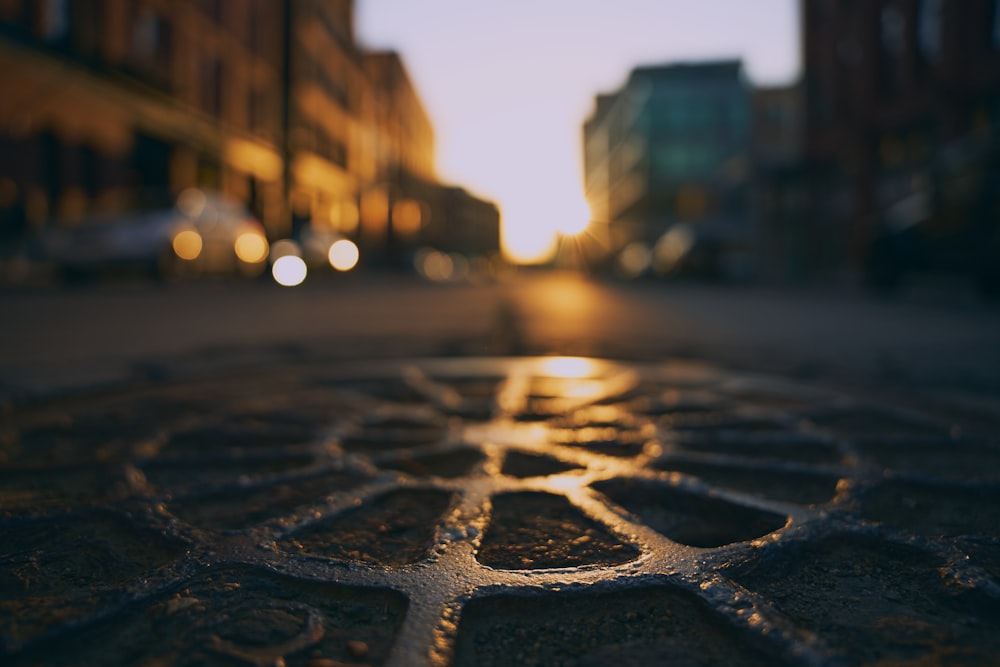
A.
pixel 343 255
pixel 187 244
pixel 251 247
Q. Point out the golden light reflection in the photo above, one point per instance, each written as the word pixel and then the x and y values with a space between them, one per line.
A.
pixel 344 216
pixel 289 271
pixel 407 217
pixel 187 244
pixel 343 255
pixel 565 482
pixel 570 368
pixel 251 247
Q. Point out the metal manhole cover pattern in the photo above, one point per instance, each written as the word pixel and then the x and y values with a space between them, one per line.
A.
pixel 475 512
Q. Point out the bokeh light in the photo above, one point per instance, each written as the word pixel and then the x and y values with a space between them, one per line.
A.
pixel 187 244
pixel 672 247
pixel 407 217
pixel 635 259
pixel 569 367
pixel 343 255
pixel 575 217
pixel 251 247
pixel 191 202
pixel 284 248
pixel 434 265
pixel 289 271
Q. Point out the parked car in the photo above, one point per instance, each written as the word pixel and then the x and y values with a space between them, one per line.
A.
pixel 948 226
pixel 203 234
pixel 705 251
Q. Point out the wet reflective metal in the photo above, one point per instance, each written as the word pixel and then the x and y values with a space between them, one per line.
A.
pixel 498 511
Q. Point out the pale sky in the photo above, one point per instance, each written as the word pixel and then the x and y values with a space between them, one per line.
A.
pixel 508 84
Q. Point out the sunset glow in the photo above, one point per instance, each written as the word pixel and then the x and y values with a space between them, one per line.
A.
pixel 508 118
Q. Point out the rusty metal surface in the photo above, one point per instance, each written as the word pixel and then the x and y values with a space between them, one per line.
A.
pixel 498 511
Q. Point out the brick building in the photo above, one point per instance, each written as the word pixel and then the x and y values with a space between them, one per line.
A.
pixel 115 104
pixel 405 206
pixel 329 104
pixel 889 85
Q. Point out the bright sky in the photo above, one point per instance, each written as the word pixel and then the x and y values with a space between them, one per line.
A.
pixel 508 84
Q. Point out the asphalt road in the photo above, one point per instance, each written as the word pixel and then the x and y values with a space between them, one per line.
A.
pixel 53 338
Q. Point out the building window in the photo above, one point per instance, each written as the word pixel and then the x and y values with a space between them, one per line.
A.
pixel 893 30
pixel 212 9
pixel 55 20
pixel 211 82
pixel 151 40
pixel 929 29
pixel 892 35
pixel 263 112
pixel 88 23
pixel 995 28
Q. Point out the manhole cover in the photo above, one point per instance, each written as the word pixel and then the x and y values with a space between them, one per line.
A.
pixel 543 511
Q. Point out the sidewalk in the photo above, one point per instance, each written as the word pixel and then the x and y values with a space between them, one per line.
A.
pixel 292 509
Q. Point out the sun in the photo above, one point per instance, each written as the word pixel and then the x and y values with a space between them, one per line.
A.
pixel 533 220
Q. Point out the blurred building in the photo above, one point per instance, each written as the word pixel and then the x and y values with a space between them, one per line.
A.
pixel 891 88
pixel 328 104
pixel 404 206
pixel 396 203
pixel 671 147
pixel 463 223
pixel 778 188
pixel 116 104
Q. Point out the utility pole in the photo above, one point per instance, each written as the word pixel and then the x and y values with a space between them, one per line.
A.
pixel 287 20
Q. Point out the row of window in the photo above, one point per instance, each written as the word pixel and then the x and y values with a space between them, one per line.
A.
pixel 928 28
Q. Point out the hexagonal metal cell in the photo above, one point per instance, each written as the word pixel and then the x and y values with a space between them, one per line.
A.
pixel 687 518
pixel 935 510
pixel 656 625
pixel 531 531
pixel 64 567
pixel 802 487
pixel 240 617
pixel 242 507
pixel 523 465
pixel 450 464
pixel 425 512
pixel 394 529
pixel 874 600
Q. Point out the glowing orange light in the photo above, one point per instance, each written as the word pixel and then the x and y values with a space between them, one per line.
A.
pixel 406 217
pixel 569 367
pixel 187 244
pixel 343 255
pixel 251 247
pixel 565 482
pixel 344 216
pixel 527 248
pixel 574 217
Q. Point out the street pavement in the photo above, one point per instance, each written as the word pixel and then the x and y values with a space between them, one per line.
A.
pixel 376 471
pixel 54 338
